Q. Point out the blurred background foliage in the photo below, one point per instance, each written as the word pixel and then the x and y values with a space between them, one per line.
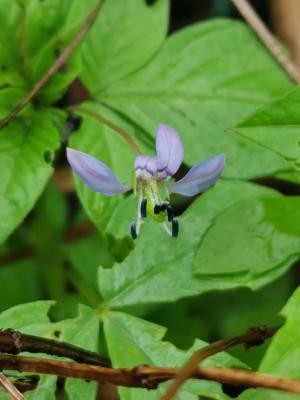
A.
pixel 56 251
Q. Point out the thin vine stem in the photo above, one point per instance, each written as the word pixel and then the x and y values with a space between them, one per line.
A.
pixel 60 61
pixel 120 131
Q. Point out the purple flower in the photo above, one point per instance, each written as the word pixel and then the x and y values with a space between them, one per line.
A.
pixel 151 173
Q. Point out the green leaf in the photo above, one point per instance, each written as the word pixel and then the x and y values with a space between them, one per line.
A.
pixel 20 283
pixel 275 126
pixel 45 39
pixel 87 254
pixel 12 89
pixel 83 331
pixel 162 269
pixel 282 356
pixel 253 237
pixel 23 148
pixel 24 316
pixel 30 43
pixel 45 390
pixel 143 343
pixel 9 13
pixel 125 36
pixel 50 212
pixel 230 312
pixel 105 144
pixel 205 79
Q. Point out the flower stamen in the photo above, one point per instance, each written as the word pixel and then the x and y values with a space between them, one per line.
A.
pixel 144 208
pixel 133 231
pixel 175 228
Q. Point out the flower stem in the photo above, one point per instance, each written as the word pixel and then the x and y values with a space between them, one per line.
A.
pixel 120 131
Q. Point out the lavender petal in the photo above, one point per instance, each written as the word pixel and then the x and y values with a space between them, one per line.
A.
pixel 169 151
pixel 145 167
pixel 200 177
pixel 95 174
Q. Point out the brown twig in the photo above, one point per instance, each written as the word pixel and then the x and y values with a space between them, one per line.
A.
pixel 10 389
pixel 285 17
pixel 144 376
pixel 124 135
pixel 60 61
pixel 14 342
pixel 62 178
pixel 267 38
pixel 252 337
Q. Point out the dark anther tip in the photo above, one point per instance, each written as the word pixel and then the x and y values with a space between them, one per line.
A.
pixel 144 208
pixel 170 213
pixel 133 231
pixel 157 208
pixel 175 228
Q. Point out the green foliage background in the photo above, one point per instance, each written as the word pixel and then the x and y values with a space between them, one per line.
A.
pixel 230 268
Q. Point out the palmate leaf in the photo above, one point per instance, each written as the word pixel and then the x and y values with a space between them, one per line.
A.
pixel 203 81
pixel 282 356
pixel 142 340
pixel 144 344
pixel 276 126
pixel 237 234
pixel 25 147
pixel 83 331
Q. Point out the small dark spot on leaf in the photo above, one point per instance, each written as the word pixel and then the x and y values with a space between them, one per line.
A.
pixel 150 2
pixel 3 68
pixel 57 334
pixel 48 156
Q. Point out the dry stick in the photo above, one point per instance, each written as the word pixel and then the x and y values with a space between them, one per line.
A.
pixel 111 124
pixel 61 60
pixel 143 376
pixel 252 337
pixel 14 342
pixel 10 389
pixel 267 38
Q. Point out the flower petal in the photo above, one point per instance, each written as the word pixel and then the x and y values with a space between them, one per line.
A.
pixel 169 151
pixel 200 177
pixel 95 174
pixel 145 167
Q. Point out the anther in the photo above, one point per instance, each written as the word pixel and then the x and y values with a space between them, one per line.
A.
pixel 160 207
pixel 133 231
pixel 157 208
pixel 144 208
pixel 170 213
pixel 175 228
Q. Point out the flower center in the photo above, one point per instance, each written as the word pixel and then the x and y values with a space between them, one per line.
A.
pixel 150 203
pixel 145 168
